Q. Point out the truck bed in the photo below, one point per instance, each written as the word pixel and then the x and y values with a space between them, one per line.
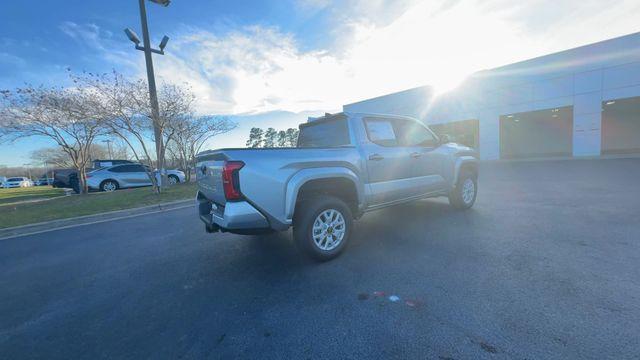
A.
pixel 266 172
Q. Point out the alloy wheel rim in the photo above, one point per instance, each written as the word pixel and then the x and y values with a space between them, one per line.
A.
pixel 329 229
pixel 172 180
pixel 468 191
pixel 109 187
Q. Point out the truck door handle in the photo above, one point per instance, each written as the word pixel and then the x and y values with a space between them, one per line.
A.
pixel 376 157
pixel 415 155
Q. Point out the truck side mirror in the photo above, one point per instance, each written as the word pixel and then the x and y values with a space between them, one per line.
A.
pixel 445 139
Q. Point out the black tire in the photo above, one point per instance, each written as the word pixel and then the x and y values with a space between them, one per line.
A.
pixel 109 185
pixel 177 180
pixel 74 183
pixel 303 222
pixel 457 197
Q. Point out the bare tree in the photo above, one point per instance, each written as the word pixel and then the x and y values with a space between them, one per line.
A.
pixel 190 133
pixel 126 106
pixel 52 157
pixel 176 105
pixel 66 116
pixel 57 158
pixel 119 150
pixel 120 101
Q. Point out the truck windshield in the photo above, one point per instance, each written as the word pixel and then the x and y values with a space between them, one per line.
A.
pixel 332 133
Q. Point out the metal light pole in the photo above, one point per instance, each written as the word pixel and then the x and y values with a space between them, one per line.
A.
pixel 108 148
pixel 28 169
pixel 46 171
pixel 153 95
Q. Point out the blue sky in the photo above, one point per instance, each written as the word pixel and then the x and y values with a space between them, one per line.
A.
pixel 272 63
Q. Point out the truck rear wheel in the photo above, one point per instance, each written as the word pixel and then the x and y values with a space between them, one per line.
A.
pixel 463 196
pixel 322 227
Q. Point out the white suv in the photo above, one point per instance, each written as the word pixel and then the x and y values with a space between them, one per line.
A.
pixel 16 182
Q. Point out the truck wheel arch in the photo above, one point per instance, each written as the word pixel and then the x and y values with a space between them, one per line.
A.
pixel 337 181
pixel 464 163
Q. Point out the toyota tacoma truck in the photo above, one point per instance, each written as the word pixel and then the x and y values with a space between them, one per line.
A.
pixel 344 165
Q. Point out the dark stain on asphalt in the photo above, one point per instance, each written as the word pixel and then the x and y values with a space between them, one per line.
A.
pixel 488 348
pixel 561 341
pixel 221 338
pixel 267 334
pixel 363 296
pixel 445 358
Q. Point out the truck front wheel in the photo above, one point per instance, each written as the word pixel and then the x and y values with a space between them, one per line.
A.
pixel 322 227
pixel 463 196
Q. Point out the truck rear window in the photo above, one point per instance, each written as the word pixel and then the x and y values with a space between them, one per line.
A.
pixel 332 133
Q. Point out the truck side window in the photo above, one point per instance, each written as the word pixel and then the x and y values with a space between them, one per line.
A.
pixel 411 134
pixel 327 133
pixel 381 132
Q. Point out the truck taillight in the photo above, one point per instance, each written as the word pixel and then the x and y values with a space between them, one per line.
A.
pixel 231 179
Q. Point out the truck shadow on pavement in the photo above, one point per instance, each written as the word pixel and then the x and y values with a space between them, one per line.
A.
pixel 387 227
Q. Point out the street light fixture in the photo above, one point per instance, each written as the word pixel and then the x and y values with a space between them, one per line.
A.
pixel 164 3
pixel 136 40
pixel 132 36
pixel 163 43
pixel 153 95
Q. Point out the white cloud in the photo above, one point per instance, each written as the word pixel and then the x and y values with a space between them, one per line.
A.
pixel 101 43
pixel 251 70
pixel 89 34
pixel 378 47
pixel 10 59
pixel 258 69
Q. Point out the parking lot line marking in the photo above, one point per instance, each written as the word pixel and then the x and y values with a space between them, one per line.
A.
pixel 94 222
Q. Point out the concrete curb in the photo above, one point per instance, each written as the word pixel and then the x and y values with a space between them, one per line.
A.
pixel 41 227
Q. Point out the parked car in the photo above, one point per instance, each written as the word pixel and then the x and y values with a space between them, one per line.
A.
pixel 127 176
pixel 344 166
pixel 43 181
pixel 2 180
pixel 99 164
pixel 17 182
pixel 68 178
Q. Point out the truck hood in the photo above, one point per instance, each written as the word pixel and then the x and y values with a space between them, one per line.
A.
pixel 458 149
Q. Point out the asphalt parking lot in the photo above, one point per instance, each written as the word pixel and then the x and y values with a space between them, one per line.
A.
pixel 546 265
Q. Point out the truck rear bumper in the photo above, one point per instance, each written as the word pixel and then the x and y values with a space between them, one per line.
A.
pixel 232 216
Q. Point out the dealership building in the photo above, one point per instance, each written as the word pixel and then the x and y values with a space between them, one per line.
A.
pixel 579 102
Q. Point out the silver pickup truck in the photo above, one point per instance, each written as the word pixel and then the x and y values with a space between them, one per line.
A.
pixel 344 165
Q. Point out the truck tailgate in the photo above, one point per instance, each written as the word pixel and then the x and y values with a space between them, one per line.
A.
pixel 209 175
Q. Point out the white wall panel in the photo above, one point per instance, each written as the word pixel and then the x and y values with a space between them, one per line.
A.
pixel 553 88
pixel 552 103
pixel 621 93
pixel 587 82
pixel 586 134
pixel 587 103
pixel 621 76
pixel 489 124
pixel 518 94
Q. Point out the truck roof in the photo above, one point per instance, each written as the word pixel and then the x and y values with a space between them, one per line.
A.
pixel 328 116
